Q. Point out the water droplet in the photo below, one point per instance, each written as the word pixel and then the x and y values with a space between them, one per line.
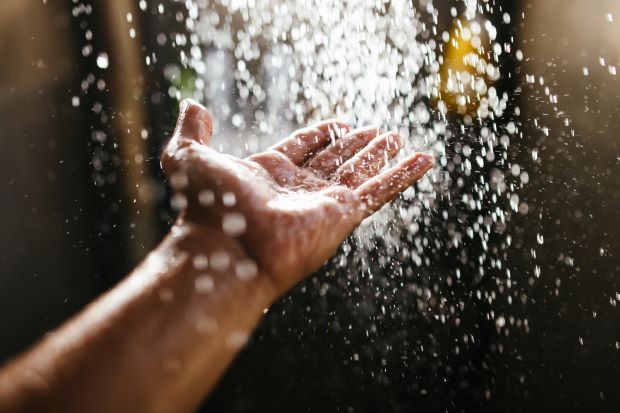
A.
pixel 233 224
pixel 178 180
pixel 220 261
pixel 102 60
pixel 204 283
pixel 237 339
pixel 246 269
pixel 178 202
pixel 206 325
pixel 206 197
pixel 229 199
pixel 200 262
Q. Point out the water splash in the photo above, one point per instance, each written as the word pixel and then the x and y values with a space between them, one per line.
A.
pixel 429 282
pixel 388 64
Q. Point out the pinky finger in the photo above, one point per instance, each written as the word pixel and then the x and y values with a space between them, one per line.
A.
pixel 388 185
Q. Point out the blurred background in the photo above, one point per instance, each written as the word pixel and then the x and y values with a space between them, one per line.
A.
pixel 88 96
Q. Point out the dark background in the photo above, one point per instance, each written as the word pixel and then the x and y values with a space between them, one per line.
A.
pixel 71 228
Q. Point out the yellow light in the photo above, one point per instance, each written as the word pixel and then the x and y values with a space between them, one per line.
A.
pixel 464 72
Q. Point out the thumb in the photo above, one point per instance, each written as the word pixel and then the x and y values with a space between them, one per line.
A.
pixel 194 122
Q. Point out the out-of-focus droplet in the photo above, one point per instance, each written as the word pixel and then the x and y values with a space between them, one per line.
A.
pixel 246 269
pixel 204 283
pixel 102 60
pixel 233 224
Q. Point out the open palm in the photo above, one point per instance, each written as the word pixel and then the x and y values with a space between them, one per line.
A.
pixel 291 206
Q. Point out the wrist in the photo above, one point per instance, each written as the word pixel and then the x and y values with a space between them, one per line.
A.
pixel 211 253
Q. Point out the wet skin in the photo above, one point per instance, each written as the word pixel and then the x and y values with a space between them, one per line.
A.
pixel 298 200
pixel 248 230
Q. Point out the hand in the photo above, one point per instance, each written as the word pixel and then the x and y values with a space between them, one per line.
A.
pixel 248 230
pixel 291 206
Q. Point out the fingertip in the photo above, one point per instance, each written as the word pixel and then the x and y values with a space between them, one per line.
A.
pixel 192 109
pixel 191 103
pixel 427 160
pixel 420 162
pixel 395 139
pixel 369 131
pixel 194 121
pixel 334 126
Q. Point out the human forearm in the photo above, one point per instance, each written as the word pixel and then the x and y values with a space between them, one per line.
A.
pixel 160 340
pixel 157 342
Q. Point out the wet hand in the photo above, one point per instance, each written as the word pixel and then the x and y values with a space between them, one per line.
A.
pixel 291 206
